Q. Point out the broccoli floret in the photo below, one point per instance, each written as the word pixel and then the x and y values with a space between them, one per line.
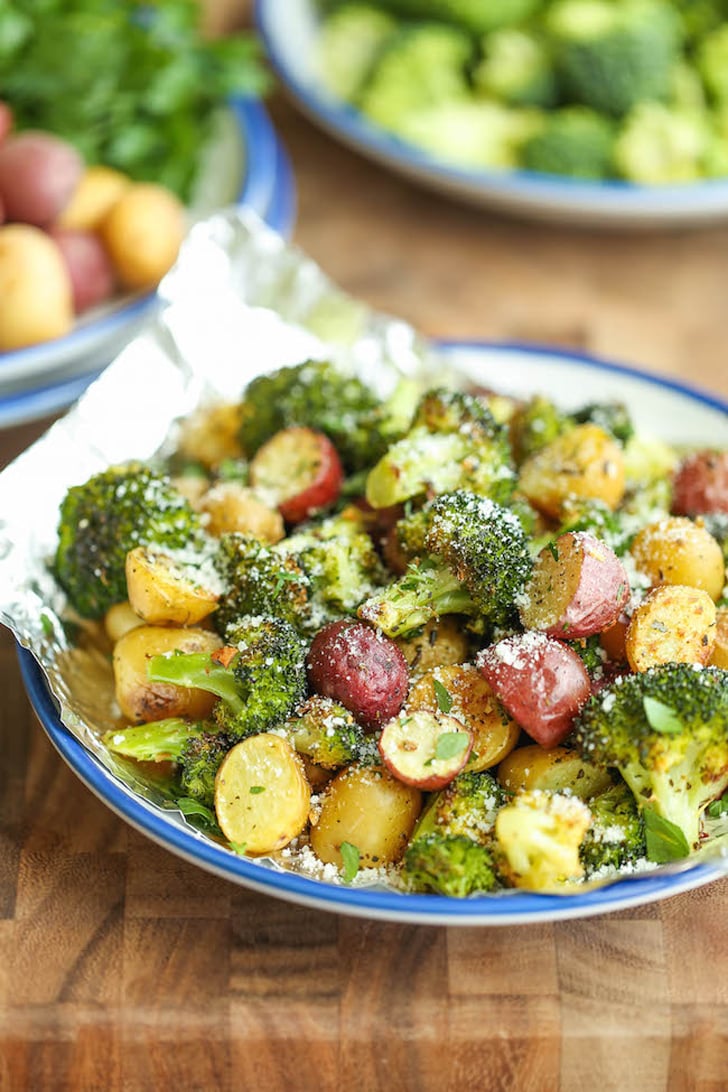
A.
pixel 471 133
pixel 421 65
pixel 595 517
pixel 476 564
pixel 535 425
pixel 314 394
pixel 697 17
pixel 516 68
pixel 258 580
pixel 454 443
pixel 666 731
pixel 712 62
pixel 591 653
pixel 106 517
pixel 613 54
pixel 613 417
pixel 327 733
pixel 538 835
pixel 197 748
pixel 349 42
pixel 716 523
pixel 468 806
pixel 660 145
pixel 259 676
pixel 475 16
pixel 574 141
pixel 616 836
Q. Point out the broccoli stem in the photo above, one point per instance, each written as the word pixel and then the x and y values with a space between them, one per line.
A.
pixel 424 592
pixel 197 670
pixel 156 742
pixel 669 793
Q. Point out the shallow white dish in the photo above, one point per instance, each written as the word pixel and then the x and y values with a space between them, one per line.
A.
pixel 242 166
pixel 659 405
pixel 289 32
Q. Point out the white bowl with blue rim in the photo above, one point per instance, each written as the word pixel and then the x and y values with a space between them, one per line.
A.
pixel 245 165
pixel 660 406
pixel 289 30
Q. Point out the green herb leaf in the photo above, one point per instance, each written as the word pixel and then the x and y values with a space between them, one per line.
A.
pixel 665 841
pixel 189 806
pixel 256 789
pixel 238 847
pixel 450 744
pixel 718 807
pixel 443 696
pixel 350 857
pixel 661 718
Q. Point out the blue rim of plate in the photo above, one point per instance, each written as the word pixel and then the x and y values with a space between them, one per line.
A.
pixel 26 405
pixel 349 123
pixel 510 909
pixel 256 192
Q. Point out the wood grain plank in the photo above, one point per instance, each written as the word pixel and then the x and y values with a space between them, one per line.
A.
pixel 176 963
pixel 699 1056
pixel 159 885
pixel 287 1043
pixel 502 961
pixel 696 943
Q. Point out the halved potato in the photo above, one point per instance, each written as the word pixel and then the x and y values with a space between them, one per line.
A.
pixel 584 462
pixel 142 700
pixel 262 796
pixel 425 749
pixel 469 699
pixel 675 550
pixel 230 506
pixel 164 592
pixel 536 768
pixel 674 624
pixel 211 434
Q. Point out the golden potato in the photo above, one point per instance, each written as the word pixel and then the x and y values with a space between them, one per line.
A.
pixel 262 796
pixel 674 624
pixel 142 700
pixel 535 768
pixel 210 434
pixel 36 295
pixel 164 592
pixel 143 232
pixel 584 462
pixel 441 642
pixel 119 619
pixel 230 506
pixel 677 551
pixel 371 810
pixel 471 701
pixel 94 197
pixel 719 655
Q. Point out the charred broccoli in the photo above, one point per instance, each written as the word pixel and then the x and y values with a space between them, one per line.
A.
pixel 666 731
pixel 616 836
pixel 258 580
pixel 102 519
pixel 327 733
pixel 477 562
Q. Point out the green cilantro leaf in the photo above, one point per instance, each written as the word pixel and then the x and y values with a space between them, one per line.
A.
pixel 661 718
pixel 238 847
pixel 665 841
pixel 718 807
pixel 450 744
pixel 443 696
pixel 350 857
pixel 256 789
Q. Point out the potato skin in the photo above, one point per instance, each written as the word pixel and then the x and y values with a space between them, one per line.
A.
pixel 370 809
pixel 535 768
pixel 230 506
pixel 677 551
pixel 701 484
pixel 98 190
pixel 441 642
pixel 162 593
pixel 141 700
pixel 38 174
pixel 673 624
pixel 143 233
pixel 89 268
pixel 584 462
pixel 35 289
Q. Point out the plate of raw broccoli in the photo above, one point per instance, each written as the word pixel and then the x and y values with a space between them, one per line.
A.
pixel 449 656
pixel 601 112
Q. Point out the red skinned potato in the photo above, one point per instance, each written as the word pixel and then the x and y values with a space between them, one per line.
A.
pixel 88 265
pixel 541 682
pixel 578 588
pixel 300 469
pixel 360 668
pixel 6 120
pixel 38 174
pixel 701 484
pixel 425 749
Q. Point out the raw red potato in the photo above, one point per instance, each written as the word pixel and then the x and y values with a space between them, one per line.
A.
pixel 425 749
pixel 541 682
pixel 701 484
pixel 6 120
pixel 88 265
pixel 38 174
pixel 361 668
pixel 578 587
pixel 300 468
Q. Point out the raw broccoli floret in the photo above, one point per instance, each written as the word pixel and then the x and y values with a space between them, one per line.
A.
pixel 102 519
pixel 327 733
pixel 315 394
pixel 516 68
pixel 613 54
pixel 450 850
pixel 454 443
pixel 259 676
pixel 349 42
pixel 616 836
pixel 476 564
pixel 660 145
pixel 421 65
pixel 470 132
pixel 712 62
pixel 538 835
pixel 574 141
pixel 476 16
pixel 197 748
pixel 666 731
pixel 258 580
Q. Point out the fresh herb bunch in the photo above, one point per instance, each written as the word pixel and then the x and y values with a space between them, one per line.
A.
pixel 133 85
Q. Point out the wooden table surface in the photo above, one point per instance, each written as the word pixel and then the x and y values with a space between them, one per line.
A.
pixel 122 968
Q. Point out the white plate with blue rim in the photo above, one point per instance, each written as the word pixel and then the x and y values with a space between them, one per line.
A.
pixel 660 406
pixel 289 30
pixel 45 379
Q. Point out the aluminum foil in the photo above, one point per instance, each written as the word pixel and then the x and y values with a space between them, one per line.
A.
pixel 238 303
